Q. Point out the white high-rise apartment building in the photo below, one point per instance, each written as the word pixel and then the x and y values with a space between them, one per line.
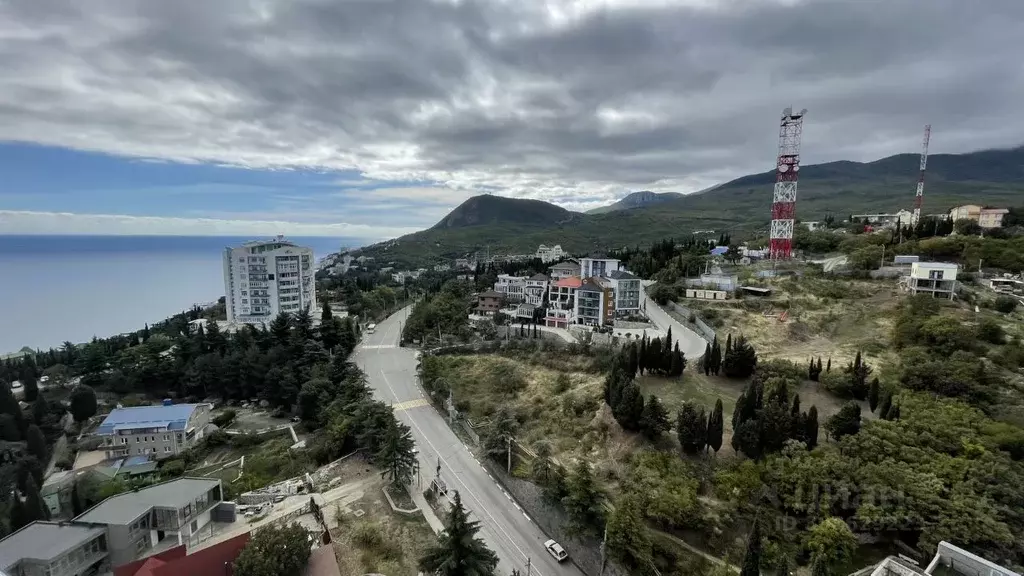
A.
pixel 266 277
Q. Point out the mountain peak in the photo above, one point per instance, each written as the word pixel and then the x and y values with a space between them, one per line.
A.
pixel 637 200
pixel 490 209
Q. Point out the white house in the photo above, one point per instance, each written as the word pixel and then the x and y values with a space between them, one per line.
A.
pixel 513 287
pixel 265 278
pixel 562 302
pixel 564 270
pixel 598 266
pixel 935 278
pixel 535 289
pixel 550 253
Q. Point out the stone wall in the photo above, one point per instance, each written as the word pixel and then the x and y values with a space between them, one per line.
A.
pixel 698 325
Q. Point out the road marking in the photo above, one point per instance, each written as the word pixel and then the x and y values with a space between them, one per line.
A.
pixel 379 346
pixel 458 478
pixel 409 405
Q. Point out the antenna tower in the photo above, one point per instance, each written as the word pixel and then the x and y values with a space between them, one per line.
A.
pixel 786 171
pixel 919 197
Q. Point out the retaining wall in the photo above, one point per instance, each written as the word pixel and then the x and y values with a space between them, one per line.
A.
pixel 584 551
pixel 698 325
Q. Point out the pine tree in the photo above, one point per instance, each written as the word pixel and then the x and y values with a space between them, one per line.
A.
pixel 873 394
pixel 395 457
pixel 752 558
pixel 654 418
pixel 811 428
pixel 716 423
pixel 705 360
pixel 692 428
pixel 630 408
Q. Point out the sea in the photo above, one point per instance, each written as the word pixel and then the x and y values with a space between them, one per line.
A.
pixel 57 288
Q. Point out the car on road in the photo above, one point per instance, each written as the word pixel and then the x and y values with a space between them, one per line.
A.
pixel 371 328
pixel 556 550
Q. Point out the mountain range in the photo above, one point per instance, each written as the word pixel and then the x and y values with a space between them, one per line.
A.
pixel 508 225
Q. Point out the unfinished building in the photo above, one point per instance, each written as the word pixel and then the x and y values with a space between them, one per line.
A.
pixel 935 278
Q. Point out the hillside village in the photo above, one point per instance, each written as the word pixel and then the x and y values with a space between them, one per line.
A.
pixel 593 386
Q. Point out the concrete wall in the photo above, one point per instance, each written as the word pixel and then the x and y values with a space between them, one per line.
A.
pixel 699 326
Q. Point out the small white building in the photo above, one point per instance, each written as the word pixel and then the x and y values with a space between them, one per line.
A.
pixel 535 289
pixel 935 278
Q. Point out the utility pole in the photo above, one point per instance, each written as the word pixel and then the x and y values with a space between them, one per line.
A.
pixel 604 545
pixel 510 454
pixel 527 566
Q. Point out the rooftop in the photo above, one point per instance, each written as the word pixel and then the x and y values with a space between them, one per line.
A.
pixel 566 266
pixel 621 275
pixel 124 508
pixel 539 277
pixel 208 561
pixel 590 286
pixel 173 417
pixel 570 282
pixel 44 541
pixel 943 265
pixel 490 294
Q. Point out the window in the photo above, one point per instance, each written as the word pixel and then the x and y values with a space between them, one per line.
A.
pixel 124 440
pixel 167 437
pixel 188 510
pixel 136 439
pixel 195 526
pixel 167 449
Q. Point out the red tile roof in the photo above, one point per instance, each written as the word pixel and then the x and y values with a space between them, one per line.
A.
pixel 570 282
pixel 215 560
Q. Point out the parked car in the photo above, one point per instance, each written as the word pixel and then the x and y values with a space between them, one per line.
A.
pixel 556 550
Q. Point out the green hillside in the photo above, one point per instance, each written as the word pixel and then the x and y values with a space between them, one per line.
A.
pixel 511 226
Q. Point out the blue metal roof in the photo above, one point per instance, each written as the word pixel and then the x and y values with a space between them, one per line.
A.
pixel 719 250
pixel 173 417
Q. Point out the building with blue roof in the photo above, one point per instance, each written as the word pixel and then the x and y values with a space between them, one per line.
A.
pixel 153 432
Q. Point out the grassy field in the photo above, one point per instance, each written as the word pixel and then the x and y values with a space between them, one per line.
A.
pixel 379 541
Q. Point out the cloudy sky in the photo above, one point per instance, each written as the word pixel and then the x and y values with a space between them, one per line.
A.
pixel 372 118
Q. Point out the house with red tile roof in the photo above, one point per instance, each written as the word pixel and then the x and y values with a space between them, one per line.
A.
pixel 214 560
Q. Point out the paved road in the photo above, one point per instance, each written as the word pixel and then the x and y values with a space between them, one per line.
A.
pixel 505 528
pixel 690 343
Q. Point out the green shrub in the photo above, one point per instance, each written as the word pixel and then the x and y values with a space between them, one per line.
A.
pixel 991 331
pixel 1005 304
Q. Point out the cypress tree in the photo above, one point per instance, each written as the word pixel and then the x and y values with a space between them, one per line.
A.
pixel 76 501
pixel 810 370
pixel 728 343
pixel 35 507
pixel 642 356
pixel 885 407
pixel 752 559
pixel 705 361
pixel 894 413
pixel 873 394
pixel 795 410
pixel 811 428
pixel 828 367
pixel 817 370
pixel 715 427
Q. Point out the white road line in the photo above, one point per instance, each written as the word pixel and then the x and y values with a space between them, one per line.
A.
pixel 494 521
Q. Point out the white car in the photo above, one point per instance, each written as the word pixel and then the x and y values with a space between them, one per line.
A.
pixel 556 550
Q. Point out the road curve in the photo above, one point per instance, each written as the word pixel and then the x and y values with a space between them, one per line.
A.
pixel 691 344
pixel 506 528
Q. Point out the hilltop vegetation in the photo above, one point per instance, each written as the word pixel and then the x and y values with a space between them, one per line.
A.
pixel 505 225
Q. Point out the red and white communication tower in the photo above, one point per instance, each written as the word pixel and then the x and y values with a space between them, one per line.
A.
pixel 786 171
pixel 919 197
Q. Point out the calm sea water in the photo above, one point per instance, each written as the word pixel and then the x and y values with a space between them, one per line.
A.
pixel 57 288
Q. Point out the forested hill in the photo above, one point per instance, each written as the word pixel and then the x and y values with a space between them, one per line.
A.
pixel 506 225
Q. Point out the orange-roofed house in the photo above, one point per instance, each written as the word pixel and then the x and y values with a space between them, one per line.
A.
pixel 562 302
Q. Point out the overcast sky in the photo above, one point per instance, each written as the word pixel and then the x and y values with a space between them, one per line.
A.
pixel 403 108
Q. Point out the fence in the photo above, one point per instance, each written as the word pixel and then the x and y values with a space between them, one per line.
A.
pixel 706 332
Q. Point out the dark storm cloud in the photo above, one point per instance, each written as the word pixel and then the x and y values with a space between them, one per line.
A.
pixel 513 96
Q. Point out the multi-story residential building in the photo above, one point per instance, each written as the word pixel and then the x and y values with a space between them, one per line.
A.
pixel 265 278
pixel 591 304
pixel 535 289
pixel 562 302
pixel 118 530
pixel 488 303
pixel 156 431
pixel 564 270
pixel 549 253
pixel 935 278
pixel 629 293
pixel 598 266
pixel 56 549
pixel 512 287
pixel 167 514
pixel 985 217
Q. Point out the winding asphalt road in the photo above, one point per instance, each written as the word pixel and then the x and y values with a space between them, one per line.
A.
pixel 506 529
